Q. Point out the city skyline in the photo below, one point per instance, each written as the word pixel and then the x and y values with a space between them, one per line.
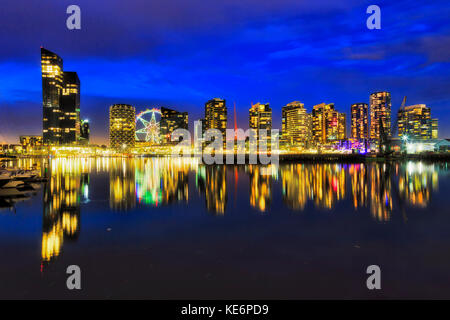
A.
pixel 302 57
pixel 61 94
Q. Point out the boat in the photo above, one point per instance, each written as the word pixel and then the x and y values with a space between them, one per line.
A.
pixel 5 177
pixel 11 192
pixel 14 184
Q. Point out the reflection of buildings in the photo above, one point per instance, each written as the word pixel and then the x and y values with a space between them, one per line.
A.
pixel 162 181
pixel 380 192
pixel 152 181
pixel 322 183
pixel 416 183
pixel 63 193
pixel 260 187
pixel 211 181
pixel 371 185
pixel 122 187
pixel 358 177
pixel 296 186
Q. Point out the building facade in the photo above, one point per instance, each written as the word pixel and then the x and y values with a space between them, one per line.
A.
pixel 52 86
pixel 85 132
pixel 260 118
pixel 122 126
pixel 295 125
pixel 31 142
pixel 61 101
pixel 380 114
pixel 216 116
pixel 415 122
pixel 328 125
pixel 359 121
pixel 69 120
pixel 170 121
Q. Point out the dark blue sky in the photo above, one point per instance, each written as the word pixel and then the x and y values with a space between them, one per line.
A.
pixel 180 53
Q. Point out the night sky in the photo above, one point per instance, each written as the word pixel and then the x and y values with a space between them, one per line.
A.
pixel 181 53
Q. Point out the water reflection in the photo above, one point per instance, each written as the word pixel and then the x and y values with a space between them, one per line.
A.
pixel 261 186
pixel 66 188
pixel 154 182
pixel 211 182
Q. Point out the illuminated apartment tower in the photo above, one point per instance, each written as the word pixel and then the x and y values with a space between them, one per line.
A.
pixel 360 121
pixel 328 125
pixel 295 125
pixel 122 126
pixel 415 122
pixel 52 86
pixel 216 116
pixel 69 120
pixel 380 114
pixel 260 118
pixel 170 121
pixel 61 101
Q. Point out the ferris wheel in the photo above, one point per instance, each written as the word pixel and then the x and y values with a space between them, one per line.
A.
pixel 147 125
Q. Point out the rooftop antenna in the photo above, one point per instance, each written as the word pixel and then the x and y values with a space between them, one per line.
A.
pixel 403 103
pixel 235 121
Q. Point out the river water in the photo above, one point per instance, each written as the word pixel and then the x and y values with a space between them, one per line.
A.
pixel 161 228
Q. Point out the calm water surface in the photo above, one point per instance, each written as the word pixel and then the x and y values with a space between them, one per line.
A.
pixel 166 228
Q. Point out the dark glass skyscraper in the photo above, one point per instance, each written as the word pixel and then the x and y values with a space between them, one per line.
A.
pixel 84 132
pixel 52 86
pixel 70 109
pixel 170 121
pixel 61 101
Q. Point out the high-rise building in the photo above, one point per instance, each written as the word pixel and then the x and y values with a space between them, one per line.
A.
pixel 216 116
pixel 360 121
pixel 434 128
pixel 380 114
pixel 69 120
pixel 85 132
pixel 170 121
pixel 61 101
pixel 260 118
pixel 122 126
pixel 415 122
pixel 328 125
pixel 295 125
pixel 52 86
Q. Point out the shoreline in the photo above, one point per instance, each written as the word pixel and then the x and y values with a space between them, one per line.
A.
pixel 283 158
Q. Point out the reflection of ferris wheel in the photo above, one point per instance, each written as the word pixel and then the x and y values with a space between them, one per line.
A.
pixel 147 125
